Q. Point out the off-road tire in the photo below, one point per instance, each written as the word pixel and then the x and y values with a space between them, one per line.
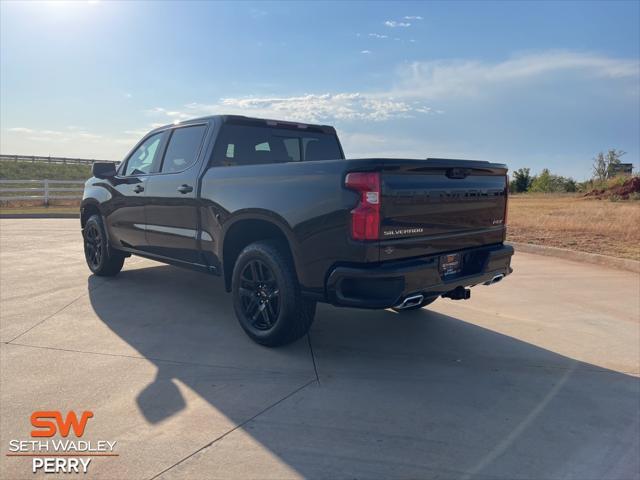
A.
pixel 291 314
pixel 101 259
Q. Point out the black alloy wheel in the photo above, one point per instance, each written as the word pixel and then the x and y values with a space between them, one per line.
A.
pixel 93 246
pixel 266 295
pixel 101 259
pixel 260 295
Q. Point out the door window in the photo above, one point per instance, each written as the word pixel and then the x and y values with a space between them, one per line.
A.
pixel 293 148
pixel 183 148
pixel 143 159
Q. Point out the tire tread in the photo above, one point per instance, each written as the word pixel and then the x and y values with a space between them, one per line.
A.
pixel 113 260
pixel 302 314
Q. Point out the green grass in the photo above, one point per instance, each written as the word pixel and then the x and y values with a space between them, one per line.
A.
pixel 40 210
pixel 40 171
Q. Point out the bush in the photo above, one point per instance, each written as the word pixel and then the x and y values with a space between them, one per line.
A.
pixel 547 182
pixel 521 181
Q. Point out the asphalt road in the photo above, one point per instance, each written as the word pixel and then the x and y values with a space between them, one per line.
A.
pixel 535 377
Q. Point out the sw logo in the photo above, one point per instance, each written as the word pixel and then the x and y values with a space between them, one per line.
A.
pixel 48 428
pixel 49 422
pixel 61 454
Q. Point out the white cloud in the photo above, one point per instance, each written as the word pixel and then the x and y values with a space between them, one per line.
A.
pixel 173 114
pixel 413 17
pixel 445 79
pixel 377 35
pixel 469 90
pixel 89 136
pixel 365 52
pixel 394 24
pixel 54 136
pixel 421 88
pixel 313 108
pixel 393 145
pixel 72 141
pixel 136 133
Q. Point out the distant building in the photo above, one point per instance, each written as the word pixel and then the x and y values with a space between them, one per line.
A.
pixel 622 169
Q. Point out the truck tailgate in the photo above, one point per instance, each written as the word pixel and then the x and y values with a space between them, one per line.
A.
pixel 437 205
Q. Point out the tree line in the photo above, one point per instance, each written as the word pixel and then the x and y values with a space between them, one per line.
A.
pixel 603 170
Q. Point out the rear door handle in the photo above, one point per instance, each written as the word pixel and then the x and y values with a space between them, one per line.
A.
pixel 185 188
pixel 138 189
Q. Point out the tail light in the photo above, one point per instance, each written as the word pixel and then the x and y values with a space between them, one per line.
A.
pixel 365 218
pixel 506 201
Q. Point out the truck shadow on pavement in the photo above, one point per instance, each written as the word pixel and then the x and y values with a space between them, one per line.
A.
pixel 370 394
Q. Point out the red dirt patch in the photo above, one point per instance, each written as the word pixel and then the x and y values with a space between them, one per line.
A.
pixel 631 185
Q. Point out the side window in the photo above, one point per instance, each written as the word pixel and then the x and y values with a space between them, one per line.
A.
pixel 293 148
pixel 143 159
pixel 316 149
pixel 183 148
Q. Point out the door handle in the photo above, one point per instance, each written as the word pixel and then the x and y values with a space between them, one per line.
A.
pixel 184 188
pixel 138 189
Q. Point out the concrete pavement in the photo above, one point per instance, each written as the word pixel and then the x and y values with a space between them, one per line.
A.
pixel 535 377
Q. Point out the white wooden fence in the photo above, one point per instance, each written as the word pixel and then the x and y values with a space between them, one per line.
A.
pixel 43 190
pixel 58 160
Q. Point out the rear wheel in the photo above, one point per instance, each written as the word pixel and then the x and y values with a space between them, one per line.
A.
pixel 101 259
pixel 266 296
pixel 425 302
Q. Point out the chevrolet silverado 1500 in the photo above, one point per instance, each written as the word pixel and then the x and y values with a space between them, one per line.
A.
pixel 276 210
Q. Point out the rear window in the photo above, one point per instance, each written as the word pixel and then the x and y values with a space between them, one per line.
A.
pixel 253 145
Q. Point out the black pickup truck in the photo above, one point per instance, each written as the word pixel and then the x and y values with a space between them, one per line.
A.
pixel 276 209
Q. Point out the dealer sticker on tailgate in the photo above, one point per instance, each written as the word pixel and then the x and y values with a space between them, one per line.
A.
pixel 450 264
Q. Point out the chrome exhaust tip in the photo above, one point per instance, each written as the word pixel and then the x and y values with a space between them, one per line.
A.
pixel 411 301
pixel 495 279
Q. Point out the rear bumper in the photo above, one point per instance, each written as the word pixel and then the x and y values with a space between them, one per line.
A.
pixel 384 285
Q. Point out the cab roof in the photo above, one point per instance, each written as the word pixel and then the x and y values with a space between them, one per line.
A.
pixel 256 122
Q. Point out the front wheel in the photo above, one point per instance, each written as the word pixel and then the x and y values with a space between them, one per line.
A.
pixel 101 259
pixel 266 295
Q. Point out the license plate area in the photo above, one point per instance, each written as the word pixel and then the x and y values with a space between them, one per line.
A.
pixel 450 264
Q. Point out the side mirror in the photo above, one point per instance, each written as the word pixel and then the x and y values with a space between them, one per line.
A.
pixel 103 169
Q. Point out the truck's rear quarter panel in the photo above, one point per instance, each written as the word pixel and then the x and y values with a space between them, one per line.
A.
pixel 312 209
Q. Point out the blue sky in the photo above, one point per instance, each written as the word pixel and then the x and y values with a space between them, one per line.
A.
pixel 544 84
